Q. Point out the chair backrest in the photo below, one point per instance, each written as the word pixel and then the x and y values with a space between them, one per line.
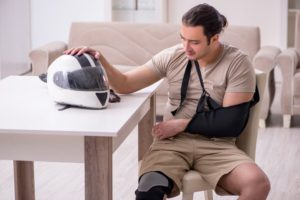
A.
pixel 246 38
pixel 125 43
pixel 247 140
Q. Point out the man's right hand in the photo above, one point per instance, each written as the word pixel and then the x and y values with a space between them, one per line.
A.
pixel 81 50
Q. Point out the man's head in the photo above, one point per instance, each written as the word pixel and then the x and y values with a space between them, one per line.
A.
pixel 201 27
pixel 206 16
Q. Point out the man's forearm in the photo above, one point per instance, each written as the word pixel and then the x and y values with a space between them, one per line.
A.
pixel 116 79
pixel 169 128
pixel 182 124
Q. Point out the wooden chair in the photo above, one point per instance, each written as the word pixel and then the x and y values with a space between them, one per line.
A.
pixel 193 182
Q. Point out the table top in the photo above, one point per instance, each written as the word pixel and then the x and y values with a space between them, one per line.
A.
pixel 27 108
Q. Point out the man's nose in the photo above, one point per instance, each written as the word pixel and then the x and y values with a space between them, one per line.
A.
pixel 186 45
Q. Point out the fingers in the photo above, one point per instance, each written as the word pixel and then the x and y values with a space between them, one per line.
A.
pixel 81 50
pixel 77 51
pixel 84 50
pixel 157 132
pixel 72 51
pixel 97 55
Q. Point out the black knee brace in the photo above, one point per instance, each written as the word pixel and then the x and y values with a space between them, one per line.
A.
pixel 155 193
pixel 153 186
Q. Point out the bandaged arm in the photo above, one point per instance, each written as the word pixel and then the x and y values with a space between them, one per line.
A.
pixel 223 122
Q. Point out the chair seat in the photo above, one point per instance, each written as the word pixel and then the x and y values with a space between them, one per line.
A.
pixel 193 182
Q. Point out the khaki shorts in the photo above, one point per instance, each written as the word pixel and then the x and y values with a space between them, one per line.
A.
pixel 174 156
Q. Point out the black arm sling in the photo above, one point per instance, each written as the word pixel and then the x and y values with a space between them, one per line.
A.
pixel 211 119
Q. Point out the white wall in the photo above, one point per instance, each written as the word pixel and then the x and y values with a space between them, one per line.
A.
pixel 269 15
pixel 14 36
pixel 51 19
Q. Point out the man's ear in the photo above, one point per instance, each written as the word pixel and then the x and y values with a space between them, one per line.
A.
pixel 215 38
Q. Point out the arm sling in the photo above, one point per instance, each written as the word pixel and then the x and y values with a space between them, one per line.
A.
pixel 211 119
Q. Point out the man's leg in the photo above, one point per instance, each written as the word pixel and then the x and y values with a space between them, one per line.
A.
pixel 248 181
pixel 170 159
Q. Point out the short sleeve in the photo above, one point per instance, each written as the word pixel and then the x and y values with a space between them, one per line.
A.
pixel 241 76
pixel 161 61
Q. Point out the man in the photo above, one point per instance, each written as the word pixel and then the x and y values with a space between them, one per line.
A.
pixel 228 78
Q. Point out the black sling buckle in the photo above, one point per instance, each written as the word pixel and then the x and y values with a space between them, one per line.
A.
pixel 205 97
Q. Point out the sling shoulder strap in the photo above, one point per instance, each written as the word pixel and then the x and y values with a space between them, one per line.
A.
pixel 185 83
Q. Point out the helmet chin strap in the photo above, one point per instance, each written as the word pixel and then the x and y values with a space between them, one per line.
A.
pixel 43 77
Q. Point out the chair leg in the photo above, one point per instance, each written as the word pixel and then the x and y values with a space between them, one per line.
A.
pixel 208 195
pixel 287 121
pixel 187 196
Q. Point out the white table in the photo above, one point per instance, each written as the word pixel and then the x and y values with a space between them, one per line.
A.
pixel 32 129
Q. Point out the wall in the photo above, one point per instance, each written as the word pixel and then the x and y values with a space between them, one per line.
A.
pixel 51 19
pixel 14 36
pixel 269 15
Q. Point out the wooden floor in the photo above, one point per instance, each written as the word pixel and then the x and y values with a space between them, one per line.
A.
pixel 278 154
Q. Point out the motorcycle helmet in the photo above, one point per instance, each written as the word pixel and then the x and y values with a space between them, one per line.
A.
pixel 78 80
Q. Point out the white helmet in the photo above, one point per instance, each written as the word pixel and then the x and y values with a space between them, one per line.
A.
pixel 78 81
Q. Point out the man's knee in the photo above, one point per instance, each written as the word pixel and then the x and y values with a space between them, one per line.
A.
pixel 262 184
pixel 153 186
pixel 258 186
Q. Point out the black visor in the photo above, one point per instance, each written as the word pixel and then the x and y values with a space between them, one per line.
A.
pixel 85 79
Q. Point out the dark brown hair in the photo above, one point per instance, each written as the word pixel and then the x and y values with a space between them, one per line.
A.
pixel 206 16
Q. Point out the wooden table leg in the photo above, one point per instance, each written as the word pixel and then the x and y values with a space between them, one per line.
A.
pixel 145 127
pixel 24 180
pixel 98 168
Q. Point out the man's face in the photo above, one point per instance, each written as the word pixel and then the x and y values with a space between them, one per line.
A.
pixel 194 42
